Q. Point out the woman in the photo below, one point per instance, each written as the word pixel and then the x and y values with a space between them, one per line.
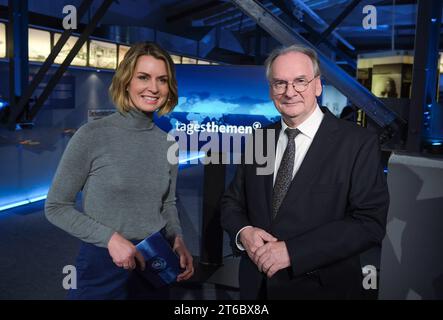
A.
pixel 120 164
pixel 390 89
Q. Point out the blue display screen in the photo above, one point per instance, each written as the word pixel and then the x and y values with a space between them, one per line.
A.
pixel 223 99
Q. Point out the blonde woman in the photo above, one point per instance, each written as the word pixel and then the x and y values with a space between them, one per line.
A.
pixel 120 164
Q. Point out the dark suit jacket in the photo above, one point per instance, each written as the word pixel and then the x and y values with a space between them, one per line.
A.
pixel 335 209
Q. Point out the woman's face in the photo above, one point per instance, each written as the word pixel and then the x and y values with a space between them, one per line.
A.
pixel 148 88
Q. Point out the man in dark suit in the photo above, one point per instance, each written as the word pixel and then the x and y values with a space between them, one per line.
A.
pixel 303 227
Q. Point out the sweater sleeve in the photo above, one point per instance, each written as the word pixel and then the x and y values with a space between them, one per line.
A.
pixel 169 209
pixel 70 178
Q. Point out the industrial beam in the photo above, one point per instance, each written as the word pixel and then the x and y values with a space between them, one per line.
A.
pixel 191 11
pixel 258 46
pixel 318 19
pixel 350 87
pixel 64 66
pixel 337 21
pixel 422 111
pixel 211 250
pixel 314 34
pixel 17 49
pixel 17 110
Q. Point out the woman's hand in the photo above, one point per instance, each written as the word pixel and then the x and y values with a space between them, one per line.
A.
pixel 185 259
pixel 124 253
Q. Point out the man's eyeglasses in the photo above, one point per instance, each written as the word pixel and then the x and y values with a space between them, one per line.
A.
pixel 299 85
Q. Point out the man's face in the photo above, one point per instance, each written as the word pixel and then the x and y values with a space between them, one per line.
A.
pixel 294 106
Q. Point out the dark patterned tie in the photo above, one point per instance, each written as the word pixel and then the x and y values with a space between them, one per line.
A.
pixel 284 174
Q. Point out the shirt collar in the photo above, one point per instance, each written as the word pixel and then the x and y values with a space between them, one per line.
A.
pixel 310 126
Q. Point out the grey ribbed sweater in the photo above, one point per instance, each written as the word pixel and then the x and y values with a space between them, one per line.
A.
pixel 120 163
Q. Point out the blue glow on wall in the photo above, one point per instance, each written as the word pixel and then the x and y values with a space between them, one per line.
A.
pixel 22 202
pixel 16 197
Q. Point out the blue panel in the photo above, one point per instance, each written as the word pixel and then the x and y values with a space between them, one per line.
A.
pixel 220 96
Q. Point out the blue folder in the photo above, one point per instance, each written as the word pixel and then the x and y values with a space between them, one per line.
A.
pixel 162 264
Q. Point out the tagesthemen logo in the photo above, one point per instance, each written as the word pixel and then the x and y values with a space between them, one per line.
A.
pixel 212 127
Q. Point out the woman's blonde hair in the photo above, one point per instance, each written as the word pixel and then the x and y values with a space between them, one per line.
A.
pixel 125 72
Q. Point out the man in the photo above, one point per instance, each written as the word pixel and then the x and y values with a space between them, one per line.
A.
pixel 303 227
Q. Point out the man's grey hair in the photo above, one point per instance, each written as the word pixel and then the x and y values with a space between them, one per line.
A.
pixel 294 48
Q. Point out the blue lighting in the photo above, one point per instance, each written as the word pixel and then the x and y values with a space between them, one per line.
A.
pixel 22 202
pixel 185 158
pixel 433 20
pixel 434 142
pixel 383 26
